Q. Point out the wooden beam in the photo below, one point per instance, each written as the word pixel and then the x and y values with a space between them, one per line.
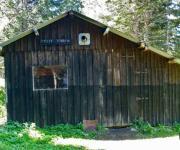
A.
pixel 172 61
pixel 146 49
pixel 142 45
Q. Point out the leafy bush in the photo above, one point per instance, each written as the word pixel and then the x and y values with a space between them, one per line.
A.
pixel 67 131
pixel 2 111
pixel 143 127
pixel 2 96
pixel 16 136
pixel 2 102
pixel 176 127
pixel 147 130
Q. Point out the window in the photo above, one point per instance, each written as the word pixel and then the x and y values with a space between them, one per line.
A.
pixel 50 77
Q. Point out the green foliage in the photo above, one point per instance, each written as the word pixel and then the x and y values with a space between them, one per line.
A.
pixel 101 128
pixel 2 96
pixel 148 20
pixel 2 102
pixel 23 15
pixel 143 127
pixel 176 127
pixel 67 131
pixel 147 130
pixel 17 136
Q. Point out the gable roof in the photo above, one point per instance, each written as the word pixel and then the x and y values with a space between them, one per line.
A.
pixel 130 38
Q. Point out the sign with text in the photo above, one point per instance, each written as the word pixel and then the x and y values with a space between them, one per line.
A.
pixel 50 42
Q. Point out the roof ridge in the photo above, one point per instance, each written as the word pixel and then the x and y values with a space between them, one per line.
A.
pixel 88 19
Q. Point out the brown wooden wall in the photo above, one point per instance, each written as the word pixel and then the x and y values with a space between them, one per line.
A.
pixel 110 80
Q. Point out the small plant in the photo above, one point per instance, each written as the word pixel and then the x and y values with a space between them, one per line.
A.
pixel 176 127
pixel 143 127
pixel 147 130
pixel 17 136
pixel 2 111
pixel 101 128
pixel 2 96
pixel 2 102
pixel 67 131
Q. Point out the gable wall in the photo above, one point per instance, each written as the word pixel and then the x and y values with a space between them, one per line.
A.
pixel 110 80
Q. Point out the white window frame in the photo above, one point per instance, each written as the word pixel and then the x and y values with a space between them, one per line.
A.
pixel 48 89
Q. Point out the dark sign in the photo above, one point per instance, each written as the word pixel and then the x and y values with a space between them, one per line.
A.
pixel 55 42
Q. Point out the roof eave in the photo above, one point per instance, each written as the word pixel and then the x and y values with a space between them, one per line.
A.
pixel 161 53
pixel 39 26
pixel 130 38
pixel 174 61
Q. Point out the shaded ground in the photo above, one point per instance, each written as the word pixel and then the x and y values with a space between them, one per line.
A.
pixel 119 134
pixel 122 138
pixel 112 139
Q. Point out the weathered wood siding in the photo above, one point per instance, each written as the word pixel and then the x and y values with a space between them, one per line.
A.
pixel 110 80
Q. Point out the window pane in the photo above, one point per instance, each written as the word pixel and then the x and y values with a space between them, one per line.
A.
pixel 50 77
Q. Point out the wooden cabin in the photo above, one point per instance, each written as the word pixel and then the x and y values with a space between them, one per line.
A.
pixel 73 68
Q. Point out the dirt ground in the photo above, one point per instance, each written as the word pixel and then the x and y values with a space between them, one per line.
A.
pixel 119 134
pixel 120 139
pixel 138 144
pixel 123 139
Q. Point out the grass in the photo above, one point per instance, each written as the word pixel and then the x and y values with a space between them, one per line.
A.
pixel 145 129
pixel 16 136
pixel 67 131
